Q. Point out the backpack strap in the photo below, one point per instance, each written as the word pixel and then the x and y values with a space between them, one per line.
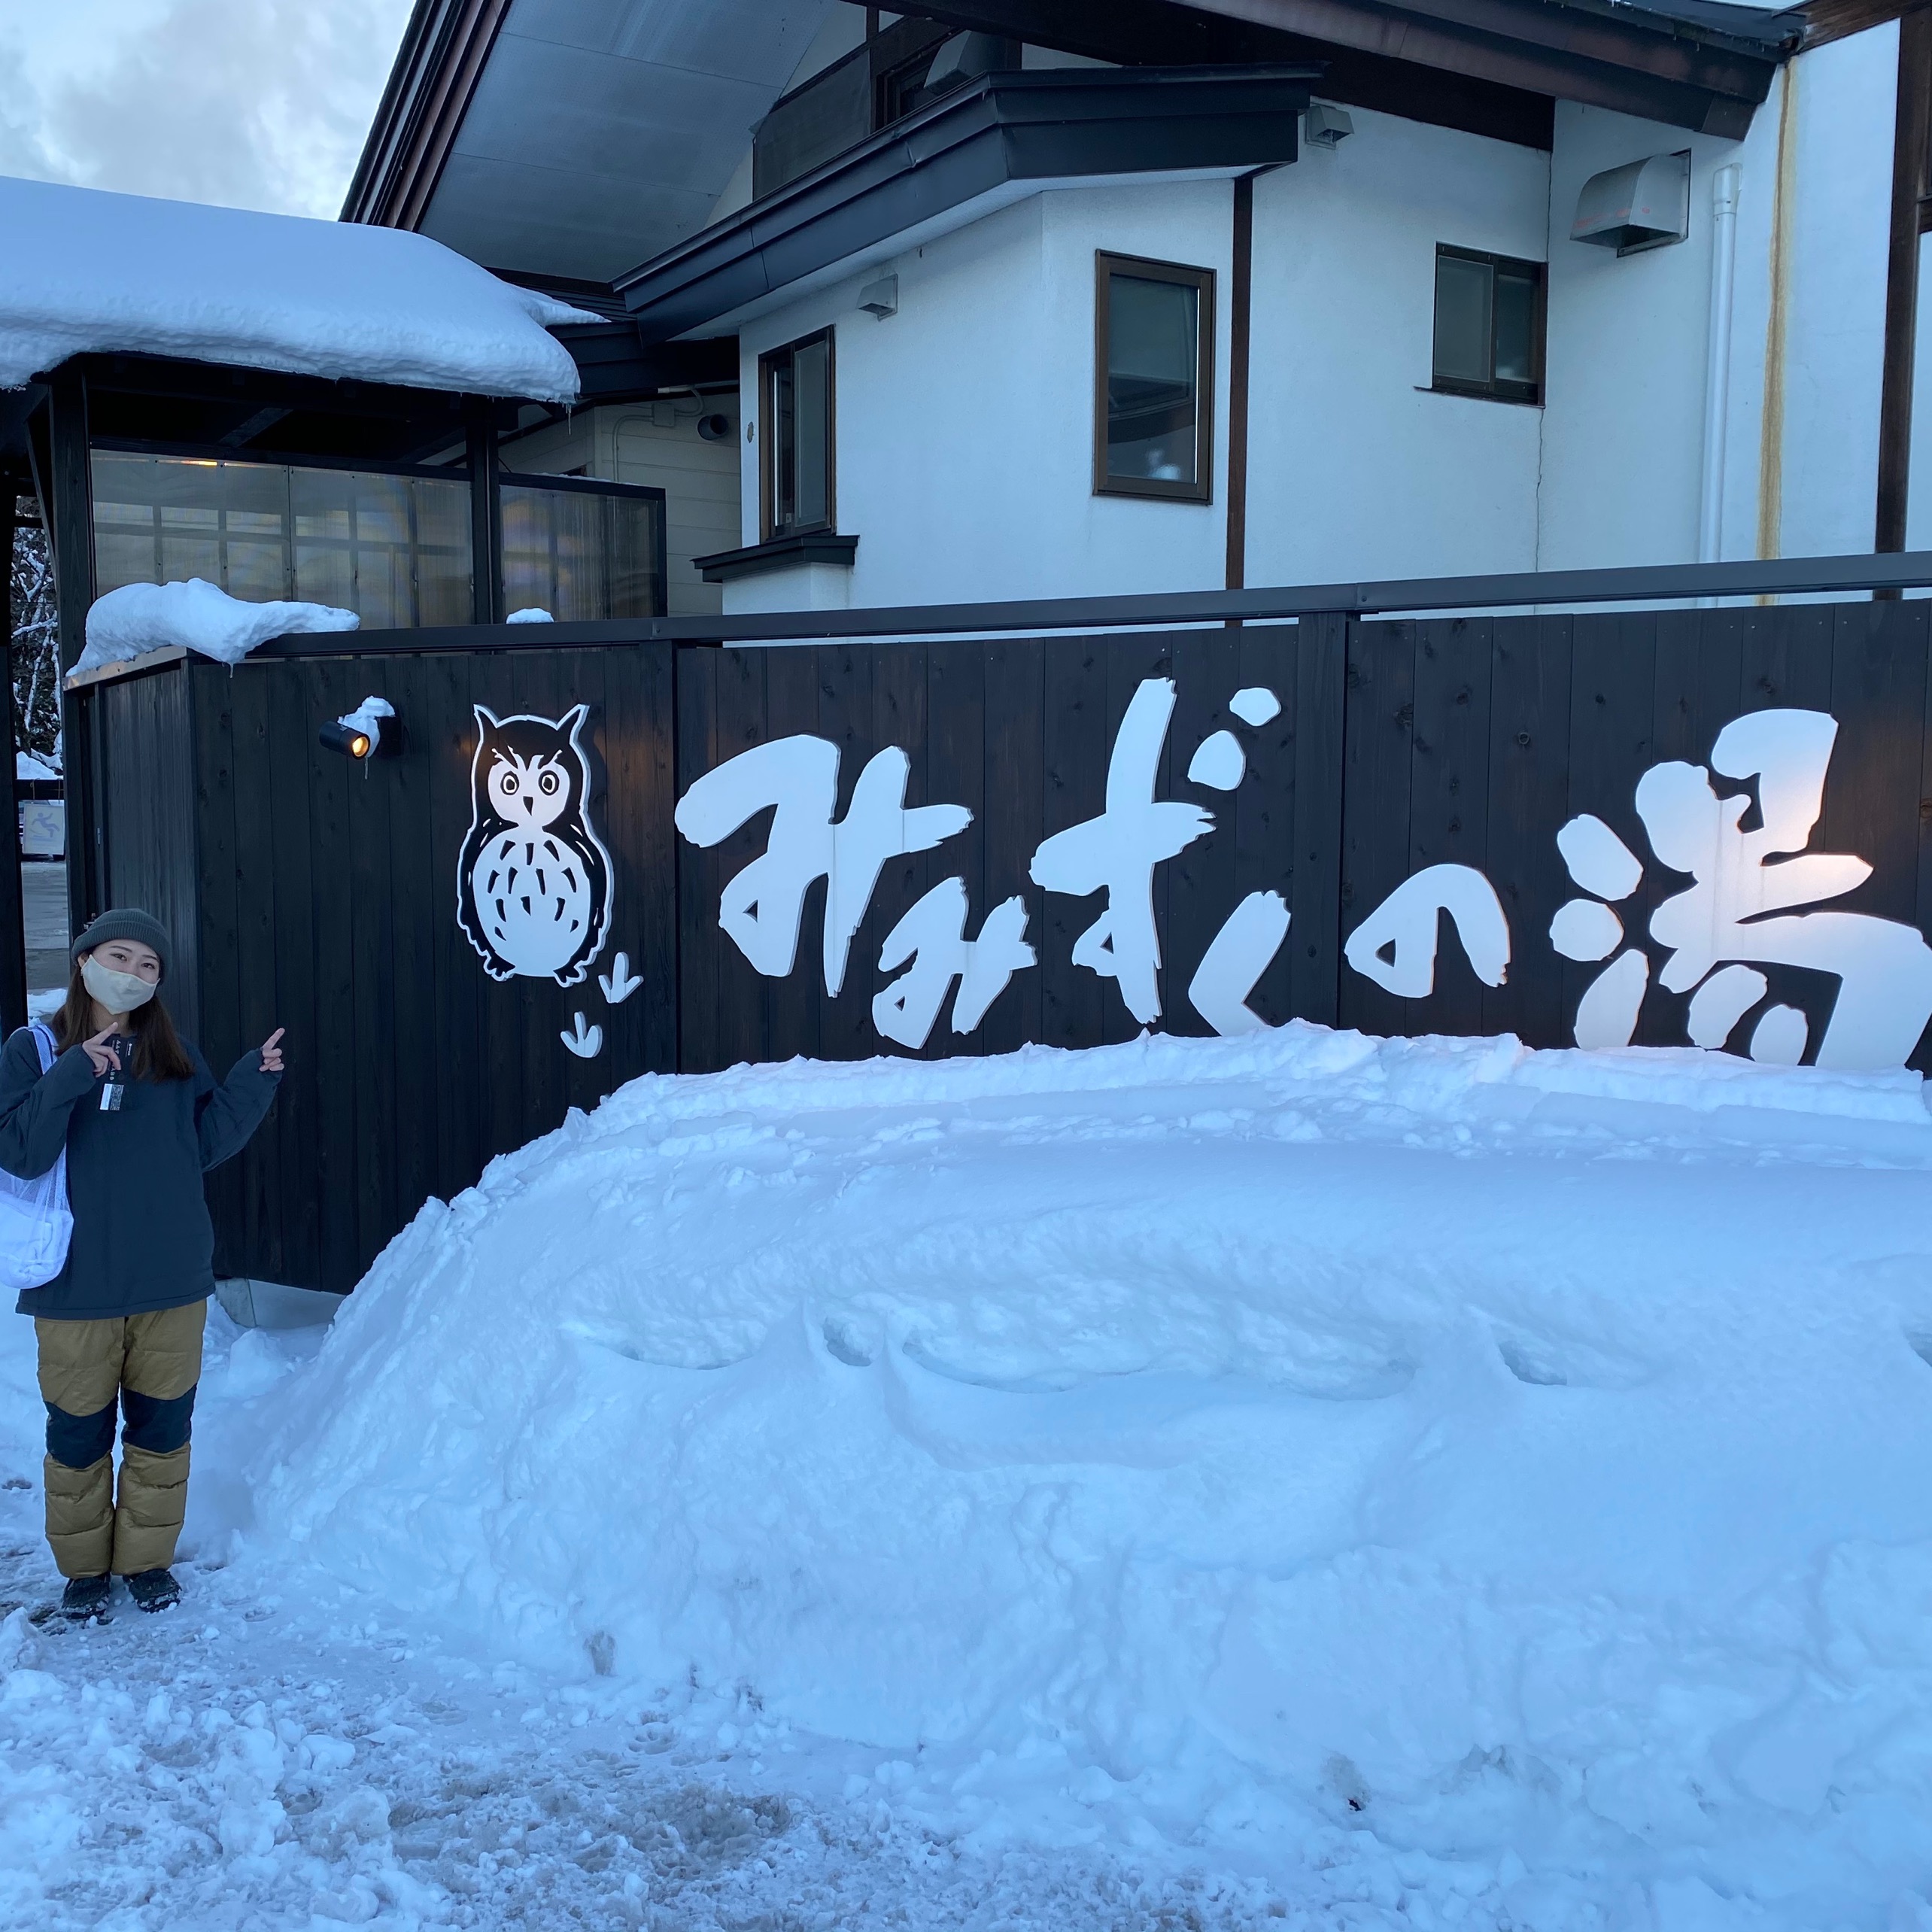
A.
pixel 44 1040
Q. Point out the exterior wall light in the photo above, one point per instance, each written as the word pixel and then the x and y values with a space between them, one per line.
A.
pixel 714 426
pixel 358 734
pixel 880 298
pixel 1325 127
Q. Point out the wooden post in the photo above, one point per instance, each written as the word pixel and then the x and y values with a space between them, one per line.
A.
pixel 13 919
pixel 486 513
pixel 70 530
pixel 1321 726
pixel 1240 300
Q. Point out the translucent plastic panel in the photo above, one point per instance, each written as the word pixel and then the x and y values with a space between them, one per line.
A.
pixel 394 549
pixel 636 558
pixel 580 555
pixel 158 519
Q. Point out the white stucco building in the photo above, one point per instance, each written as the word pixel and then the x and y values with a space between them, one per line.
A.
pixel 1006 299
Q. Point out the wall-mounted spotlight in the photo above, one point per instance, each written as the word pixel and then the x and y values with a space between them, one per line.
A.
pixel 359 734
pixel 880 298
pixel 714 426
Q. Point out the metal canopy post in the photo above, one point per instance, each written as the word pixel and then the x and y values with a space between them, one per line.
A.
pixel 13 918
pixel 70 528
pixel 486 512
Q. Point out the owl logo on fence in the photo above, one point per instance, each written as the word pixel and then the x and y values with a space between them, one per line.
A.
pixel 534 881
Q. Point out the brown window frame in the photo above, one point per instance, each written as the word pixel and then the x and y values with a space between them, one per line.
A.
pixel 1106 265
pixel 771 529
pixel 1506 390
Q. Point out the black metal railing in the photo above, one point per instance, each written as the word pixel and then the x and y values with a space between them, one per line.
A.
pixel 1547 590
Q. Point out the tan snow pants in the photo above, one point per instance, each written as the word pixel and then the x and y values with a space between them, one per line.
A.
pixel 148 1365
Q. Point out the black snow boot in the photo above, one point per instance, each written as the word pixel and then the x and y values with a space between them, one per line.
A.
pixel 84 1597
pixel 154 1590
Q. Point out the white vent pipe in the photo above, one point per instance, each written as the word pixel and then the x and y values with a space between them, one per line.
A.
pixel 1717 362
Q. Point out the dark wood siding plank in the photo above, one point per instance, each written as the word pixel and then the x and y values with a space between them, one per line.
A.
pixel 1014 795
pixel 419 906
pixel 1200 881
pixel 1375 810
pixel 258 914
pixel 698 992
pixel 1613 721
pixel 294 1127
pixel 332 833
pixel 1264 808
pixel 1449 795
pixel 794 1007
pixel 446 741
pixel 1529 714
pixel 1076 743
pixel 1319 723
pixel 955 774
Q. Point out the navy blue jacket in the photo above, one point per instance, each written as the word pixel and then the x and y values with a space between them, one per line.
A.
pixel 142 1237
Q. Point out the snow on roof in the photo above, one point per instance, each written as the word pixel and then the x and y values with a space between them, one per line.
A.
pixel 89 271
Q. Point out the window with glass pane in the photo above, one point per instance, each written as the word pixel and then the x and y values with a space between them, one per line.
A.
pixel 798 469
pixel 1153 410
pixel 1489 326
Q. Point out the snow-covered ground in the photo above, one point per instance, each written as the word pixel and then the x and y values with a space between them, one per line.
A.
pixel 1301 1479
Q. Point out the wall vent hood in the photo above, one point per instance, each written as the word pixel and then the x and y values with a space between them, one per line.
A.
pixel 1641 205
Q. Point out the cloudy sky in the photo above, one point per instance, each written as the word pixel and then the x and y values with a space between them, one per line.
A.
pixel 251 103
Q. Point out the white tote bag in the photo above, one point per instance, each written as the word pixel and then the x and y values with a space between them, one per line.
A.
pixel 35 1222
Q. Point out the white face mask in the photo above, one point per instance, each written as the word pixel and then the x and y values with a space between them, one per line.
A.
pixel 118 992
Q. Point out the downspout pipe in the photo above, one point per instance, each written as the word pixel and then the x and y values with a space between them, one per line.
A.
pixel 1717 362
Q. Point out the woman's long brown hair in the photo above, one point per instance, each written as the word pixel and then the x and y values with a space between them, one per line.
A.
pixel 159 1054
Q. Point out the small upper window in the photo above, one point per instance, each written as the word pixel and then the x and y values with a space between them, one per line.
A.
pixel 1489 326
pixel 1154 367
pixel 797 472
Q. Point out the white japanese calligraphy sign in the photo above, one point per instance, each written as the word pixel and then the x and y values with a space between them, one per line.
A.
pixel 1749 903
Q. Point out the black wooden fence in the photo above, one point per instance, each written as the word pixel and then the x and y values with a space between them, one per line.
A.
pixel 309 891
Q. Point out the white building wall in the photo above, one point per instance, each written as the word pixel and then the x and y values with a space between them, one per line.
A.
pixel 1623 424
pixel 964 422
pixel 1356 468
pixel 965 433
pixel 1846 98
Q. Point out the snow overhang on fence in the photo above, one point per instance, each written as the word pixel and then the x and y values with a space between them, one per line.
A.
pixel 89 272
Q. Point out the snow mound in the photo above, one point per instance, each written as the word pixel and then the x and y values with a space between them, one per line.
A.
pixel 1432 1446
pixel 91 272
pixel 195 616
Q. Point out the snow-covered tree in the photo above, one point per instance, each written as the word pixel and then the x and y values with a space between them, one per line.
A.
pixel 36 644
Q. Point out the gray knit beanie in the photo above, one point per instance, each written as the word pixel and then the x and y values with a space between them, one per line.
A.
pixel 127 922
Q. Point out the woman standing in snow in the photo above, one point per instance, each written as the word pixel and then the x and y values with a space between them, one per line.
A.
pixel 141 1118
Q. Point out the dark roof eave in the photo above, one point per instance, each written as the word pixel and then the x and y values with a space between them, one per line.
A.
pixel 1052 124
pixel 1665 60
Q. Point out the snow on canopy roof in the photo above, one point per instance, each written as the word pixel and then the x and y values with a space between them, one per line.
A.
pixel 87 271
